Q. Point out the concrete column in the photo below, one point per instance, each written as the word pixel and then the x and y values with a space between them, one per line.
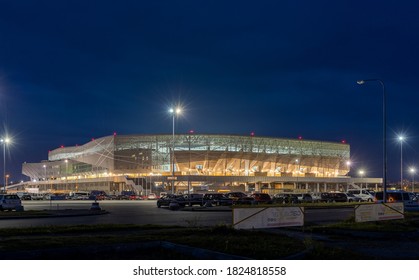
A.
pixel 257 187
pixel 325 187
pixel 306 186
pixel 318 187
pixel 282 185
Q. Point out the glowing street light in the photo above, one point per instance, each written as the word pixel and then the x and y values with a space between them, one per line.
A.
pixel 5 142
pixel 174 112
pixel 361 82
pixel 401 139
pixel 348 165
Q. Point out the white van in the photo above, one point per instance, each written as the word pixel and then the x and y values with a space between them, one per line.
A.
pixel 363 194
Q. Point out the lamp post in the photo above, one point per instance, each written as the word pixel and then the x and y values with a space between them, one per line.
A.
pixel 361 173
pixel 297 162
pixel 189 167
pixel 4 141
pixel 412 171
pixel 174 112
pixel 401 139
pixel 66 174
pixel 45 171
pixel 361 82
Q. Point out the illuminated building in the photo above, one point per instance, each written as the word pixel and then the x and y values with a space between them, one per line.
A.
pixel 118 162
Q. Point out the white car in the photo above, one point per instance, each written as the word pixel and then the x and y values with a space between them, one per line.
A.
pixel 152 196
pixel 363 194
pixel 10 202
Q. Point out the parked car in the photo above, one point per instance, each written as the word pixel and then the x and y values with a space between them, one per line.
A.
pixel 169 198
pixel 236 195
pixel 10 202
pixel 261 198
pixel 26 197
pixel 316 197
pixel 80 195
pixel 353 198
pixel 97 195
pixel 304 197
pixel 363 194
pixel 284 198
pixel 134 197
pixel 194 199
pixel 152 196
pixel 410 204
pixel 217 199
pixel 245 200
pixel 334 197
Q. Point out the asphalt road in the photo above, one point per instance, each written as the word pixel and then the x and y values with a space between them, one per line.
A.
pixel 146 212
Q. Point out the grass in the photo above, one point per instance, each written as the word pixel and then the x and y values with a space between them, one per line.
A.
pixel 251 244
pixel 23 213
pixel 409 224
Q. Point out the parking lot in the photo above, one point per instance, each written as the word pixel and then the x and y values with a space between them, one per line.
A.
pixel 142 212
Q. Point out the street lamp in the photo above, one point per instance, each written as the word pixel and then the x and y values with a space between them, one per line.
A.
pixel 66 173
pixel 189 167
pixel 348 164
pixel 5 142
pixel 401 139
pixel 361 173
pixel 412 171
pixel 174 112
pixel 361 82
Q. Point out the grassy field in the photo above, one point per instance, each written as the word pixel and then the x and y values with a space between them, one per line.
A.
pixel 251 244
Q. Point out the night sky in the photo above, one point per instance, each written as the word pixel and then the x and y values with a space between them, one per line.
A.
pixel 75 70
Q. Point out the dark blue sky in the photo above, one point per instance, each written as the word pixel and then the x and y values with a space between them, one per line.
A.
pixel 75 70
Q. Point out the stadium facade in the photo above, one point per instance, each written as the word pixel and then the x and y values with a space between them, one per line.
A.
pixel 189 161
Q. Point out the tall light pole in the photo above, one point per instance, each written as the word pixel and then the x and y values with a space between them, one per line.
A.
pixel 361 82
pixel 66 173
pixel 412 171
pixel 361 173
pixel 174 112
pixel 5 142
pixel 189 167
pixel 401 139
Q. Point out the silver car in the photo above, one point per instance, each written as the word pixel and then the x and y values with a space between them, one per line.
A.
pixel 10 202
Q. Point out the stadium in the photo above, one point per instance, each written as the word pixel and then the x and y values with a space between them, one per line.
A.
pixel 197 162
